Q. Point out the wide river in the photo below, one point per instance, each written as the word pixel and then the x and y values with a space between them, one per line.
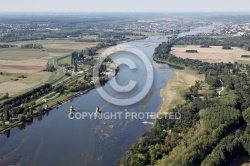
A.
pixel 57 140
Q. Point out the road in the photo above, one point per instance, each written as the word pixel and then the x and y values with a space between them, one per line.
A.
pixel 222 87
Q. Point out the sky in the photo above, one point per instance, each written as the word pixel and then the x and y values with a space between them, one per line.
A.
pixel 124 6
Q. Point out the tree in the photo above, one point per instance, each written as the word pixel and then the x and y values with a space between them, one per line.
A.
pixel 6 96
pixel 74 56
pixel 50 67
pixel 75 66
pixel 21 118
pixel 6 110
pixel 80 55
pixel 6 115
pixel 226 47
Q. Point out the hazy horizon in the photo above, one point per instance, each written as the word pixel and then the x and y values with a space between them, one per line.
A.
pixel 157 6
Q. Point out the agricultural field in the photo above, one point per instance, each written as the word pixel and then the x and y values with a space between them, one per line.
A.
pixel 16 62
pixel 212 54
pixel 16 85
pixel 58 44
pixel 57 47
pixel 71 45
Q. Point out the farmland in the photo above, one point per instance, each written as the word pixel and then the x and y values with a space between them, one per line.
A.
pixel 212 54
pixel 17 85
pixel 71 45
pixel 16 62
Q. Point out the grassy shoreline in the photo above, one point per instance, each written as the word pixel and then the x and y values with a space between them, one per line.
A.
pixel 171 94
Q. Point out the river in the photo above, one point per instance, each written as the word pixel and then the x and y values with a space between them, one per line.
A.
pixel 55 139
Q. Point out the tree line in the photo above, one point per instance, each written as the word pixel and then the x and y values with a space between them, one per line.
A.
pixel 7 46
pixel 32 46
pixel 213 128
pixel 225 42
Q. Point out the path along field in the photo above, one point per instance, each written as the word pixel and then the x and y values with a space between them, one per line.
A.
pixel 15 62
pixel 212 54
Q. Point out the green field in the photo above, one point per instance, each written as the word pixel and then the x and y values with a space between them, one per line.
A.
pixel 82 66
pixel 18 54
pixel 64 60
pixel 244 62
pixel 56 76
pixel 14 85
pixel 8 76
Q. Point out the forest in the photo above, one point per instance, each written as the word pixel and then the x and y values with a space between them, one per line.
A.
pixel 213 129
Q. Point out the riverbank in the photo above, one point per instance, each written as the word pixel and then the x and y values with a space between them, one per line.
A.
pixel 57 101
pixel 172 93
pixel 56 104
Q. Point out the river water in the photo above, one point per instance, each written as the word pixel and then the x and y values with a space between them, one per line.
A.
pixel 55 139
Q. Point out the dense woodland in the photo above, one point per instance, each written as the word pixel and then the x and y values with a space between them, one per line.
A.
pixel 213 129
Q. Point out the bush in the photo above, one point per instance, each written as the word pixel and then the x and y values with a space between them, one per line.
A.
pixel 191 51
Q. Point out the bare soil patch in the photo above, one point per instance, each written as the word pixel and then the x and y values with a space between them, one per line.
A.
pixel 19 67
